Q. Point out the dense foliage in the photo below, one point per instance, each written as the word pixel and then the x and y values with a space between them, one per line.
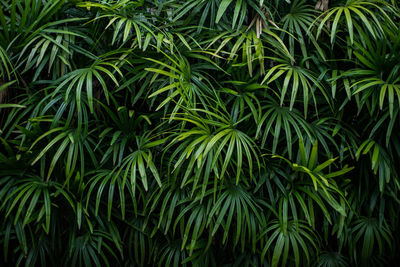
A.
pixel 199 133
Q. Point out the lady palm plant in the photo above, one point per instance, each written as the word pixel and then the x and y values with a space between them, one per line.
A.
pixel 199 133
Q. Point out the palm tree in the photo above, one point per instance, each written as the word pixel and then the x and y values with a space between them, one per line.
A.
pixel 199 133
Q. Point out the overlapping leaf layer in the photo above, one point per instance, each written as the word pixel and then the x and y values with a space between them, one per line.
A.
pixel 199 133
